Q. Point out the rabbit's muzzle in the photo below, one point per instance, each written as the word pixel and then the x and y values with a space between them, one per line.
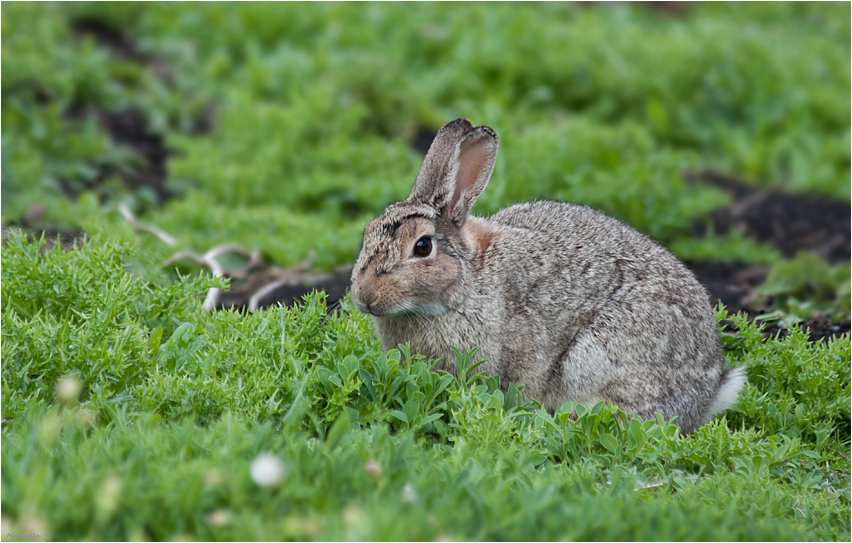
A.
pixel 371 294
pixel 363 297
pixel 365 305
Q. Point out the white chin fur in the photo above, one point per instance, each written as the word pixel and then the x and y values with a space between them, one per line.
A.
pixel 408 307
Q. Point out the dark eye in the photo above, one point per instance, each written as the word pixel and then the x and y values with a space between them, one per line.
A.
pixel 423 247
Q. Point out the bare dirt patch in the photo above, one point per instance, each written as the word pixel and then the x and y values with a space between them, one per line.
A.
pixel 789 222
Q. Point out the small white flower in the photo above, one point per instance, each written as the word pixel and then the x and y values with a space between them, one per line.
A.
pixel 50 427
pixel 409 495
pixel 86 417
pixel 267 470
pixel 109 494
pixel 213 477
pixel 352 515
pixel 68 389
pixel 218 518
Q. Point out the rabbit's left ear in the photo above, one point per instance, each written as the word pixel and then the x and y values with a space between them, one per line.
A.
pixel 457 169
pixel 470 172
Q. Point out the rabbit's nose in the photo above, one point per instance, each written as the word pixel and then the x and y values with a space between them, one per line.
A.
pixel 368 303
pixel 367 298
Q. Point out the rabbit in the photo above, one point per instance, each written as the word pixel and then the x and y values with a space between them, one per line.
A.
pixel 570 303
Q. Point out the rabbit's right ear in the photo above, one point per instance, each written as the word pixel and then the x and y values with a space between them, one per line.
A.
pixel 456 169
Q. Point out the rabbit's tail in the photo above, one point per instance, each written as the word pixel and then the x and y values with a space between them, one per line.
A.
pixel 733 381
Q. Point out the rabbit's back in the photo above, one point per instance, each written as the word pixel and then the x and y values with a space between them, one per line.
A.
pixel 620 318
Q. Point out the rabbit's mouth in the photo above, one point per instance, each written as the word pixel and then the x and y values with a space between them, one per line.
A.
pixel 406 308
pixel 370 310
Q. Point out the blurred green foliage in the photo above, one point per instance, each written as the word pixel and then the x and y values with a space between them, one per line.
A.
pixel 807 286
pixel 289 126
pixel 315 108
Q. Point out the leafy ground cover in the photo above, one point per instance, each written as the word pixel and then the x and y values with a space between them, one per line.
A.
pixel 130 413
pixel 175 405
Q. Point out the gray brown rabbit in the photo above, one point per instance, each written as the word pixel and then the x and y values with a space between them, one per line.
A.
pixel 562 299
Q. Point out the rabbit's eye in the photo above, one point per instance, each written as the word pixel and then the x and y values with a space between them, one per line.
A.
pixel 423 247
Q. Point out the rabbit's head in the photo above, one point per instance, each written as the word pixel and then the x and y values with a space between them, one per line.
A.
pixel 415 257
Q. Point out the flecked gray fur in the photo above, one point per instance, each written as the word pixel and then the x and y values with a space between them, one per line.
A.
pixel 569 302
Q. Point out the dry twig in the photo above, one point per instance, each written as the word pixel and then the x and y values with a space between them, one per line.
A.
pixel 285 276
pixel 653 485
pixel 266 289
pixel 208 259
pixel 131 218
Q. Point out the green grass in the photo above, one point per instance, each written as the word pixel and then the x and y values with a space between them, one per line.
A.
pixel 174 406
pixel 128 413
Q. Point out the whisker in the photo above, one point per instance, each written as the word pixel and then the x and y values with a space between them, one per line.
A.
pixel 426 321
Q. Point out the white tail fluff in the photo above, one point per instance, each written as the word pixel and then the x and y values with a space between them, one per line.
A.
pixel 733 381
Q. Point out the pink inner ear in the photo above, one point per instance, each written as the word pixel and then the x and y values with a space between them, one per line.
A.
pixel 473 156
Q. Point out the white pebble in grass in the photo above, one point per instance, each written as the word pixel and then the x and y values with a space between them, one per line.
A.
pixel 409 495
pixel 267 470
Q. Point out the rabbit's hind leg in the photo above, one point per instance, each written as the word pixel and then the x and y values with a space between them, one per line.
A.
pixel 617 359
